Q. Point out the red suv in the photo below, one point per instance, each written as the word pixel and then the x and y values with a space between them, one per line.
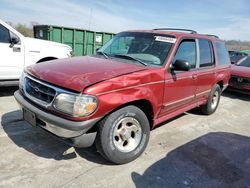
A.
pixel 136 81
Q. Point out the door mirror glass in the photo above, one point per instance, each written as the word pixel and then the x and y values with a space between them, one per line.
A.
pixel 14 40
pixel 181 65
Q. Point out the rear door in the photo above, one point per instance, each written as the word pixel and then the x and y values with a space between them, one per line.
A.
pixel 12 57
pixel 180 86
pixel 206 72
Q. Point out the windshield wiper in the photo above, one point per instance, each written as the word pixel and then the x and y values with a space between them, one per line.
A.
pixel 133 58
pixel 102 53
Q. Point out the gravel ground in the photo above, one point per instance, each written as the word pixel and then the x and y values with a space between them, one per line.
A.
pixel 191 150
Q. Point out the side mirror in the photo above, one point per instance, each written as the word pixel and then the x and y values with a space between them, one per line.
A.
pixel 13 41
pixel 181 65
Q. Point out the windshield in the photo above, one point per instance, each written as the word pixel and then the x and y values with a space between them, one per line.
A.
pixel 245 62
pixel 148 48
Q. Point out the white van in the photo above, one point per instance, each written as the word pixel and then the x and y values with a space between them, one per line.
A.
pixel 17 52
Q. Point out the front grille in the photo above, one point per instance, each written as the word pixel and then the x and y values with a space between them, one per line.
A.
pixel 236 80
pixel 38 91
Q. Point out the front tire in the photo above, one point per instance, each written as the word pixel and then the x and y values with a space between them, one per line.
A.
pixel 213 101
pixel 123 135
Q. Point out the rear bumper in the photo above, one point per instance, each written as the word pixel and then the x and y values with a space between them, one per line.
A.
pixel 56 125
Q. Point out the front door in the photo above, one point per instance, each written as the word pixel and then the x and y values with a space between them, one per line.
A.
pixel 180 86
pixel 12 57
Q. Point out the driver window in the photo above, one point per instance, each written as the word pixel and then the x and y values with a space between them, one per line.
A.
pixel 187 51
pixel 4 35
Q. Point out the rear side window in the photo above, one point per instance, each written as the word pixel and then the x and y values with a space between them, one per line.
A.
pixel 4 35
pixel 206 53
pixel 187 51
pixel 222 53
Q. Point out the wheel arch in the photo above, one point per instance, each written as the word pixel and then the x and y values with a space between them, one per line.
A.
pixel 145 106
pixel 46 59
pixel 142 104
pixel 221 84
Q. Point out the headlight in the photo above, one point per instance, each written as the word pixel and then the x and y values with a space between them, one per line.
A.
pixel 70 52
pixel 76 106
pixel 21 80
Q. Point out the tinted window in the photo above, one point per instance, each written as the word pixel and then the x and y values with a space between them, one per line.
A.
pixel 245 62
pixel 223 55
pixel 4 35
pixel 187 51
pixel 206 53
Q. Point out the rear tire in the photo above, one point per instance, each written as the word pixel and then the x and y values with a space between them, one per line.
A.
pixel 123 135
pixel 213 101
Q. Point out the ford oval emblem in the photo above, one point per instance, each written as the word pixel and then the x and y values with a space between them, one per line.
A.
pixel 36 89
pixel 240 79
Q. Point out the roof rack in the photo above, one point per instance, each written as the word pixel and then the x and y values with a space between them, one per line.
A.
pixel 176 29
pixel 212 35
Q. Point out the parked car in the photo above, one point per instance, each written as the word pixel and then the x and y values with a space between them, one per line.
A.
pixel 18 52
pixel 240 76
pixel 235 56
pixel 136 81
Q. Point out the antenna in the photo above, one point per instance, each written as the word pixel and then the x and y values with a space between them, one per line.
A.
pixel 90 17
pixel 87 42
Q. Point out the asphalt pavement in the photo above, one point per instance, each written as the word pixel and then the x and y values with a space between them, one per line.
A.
pixel 191 150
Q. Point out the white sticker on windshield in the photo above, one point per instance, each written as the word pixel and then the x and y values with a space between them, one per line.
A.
pixel 165 39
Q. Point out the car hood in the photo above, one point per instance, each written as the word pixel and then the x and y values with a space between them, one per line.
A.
pixel 240 71
pixel 43 43
pixel 79 72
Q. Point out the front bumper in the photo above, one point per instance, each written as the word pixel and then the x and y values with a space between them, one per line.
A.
pixel 56 125
pixel 239 87
pixel 239 84
pixel 239 90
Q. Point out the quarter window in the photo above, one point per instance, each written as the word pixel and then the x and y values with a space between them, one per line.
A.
pixel 223 55
pixel 4 35
pixel 187 52
pixel 206 53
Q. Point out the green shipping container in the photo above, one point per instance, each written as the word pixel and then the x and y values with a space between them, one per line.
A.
pixel 83 42
pixel 245 51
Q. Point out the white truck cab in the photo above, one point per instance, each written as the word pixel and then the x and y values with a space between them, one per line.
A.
pixel 18 52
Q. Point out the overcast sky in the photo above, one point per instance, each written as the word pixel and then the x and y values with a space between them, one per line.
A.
pixel 230 19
